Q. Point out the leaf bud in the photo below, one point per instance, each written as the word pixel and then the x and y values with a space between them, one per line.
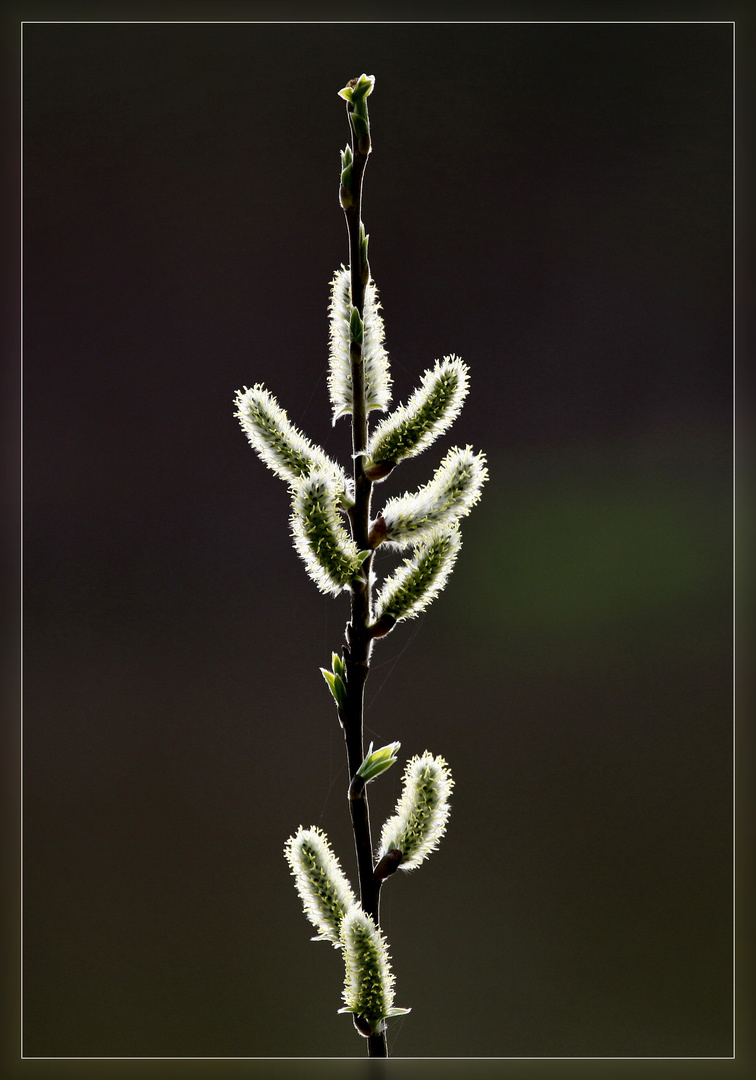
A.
pixel 355 327
pixel 378 761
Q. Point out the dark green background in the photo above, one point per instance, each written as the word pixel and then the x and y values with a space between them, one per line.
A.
pixel 553 203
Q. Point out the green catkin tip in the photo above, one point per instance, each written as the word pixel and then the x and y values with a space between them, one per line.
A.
pixel 324 890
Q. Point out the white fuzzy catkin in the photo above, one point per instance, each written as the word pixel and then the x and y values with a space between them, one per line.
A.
pixel 330 555
pixel 419 580
pixel 374 356
pixel 431 409
pixel 280 445
pixel 421 813
pixel 369 982
pixel 455 488
pixel 324 890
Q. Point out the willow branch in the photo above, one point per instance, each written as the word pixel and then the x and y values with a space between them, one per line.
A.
pixel 359 639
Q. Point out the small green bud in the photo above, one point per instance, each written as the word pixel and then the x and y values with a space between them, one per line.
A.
pixel 361 88
pixel 355 327
pixel 364 264
pixel 338 666
pixel 337 687
pixel 378 761
pixel 336 679
pixel 345 193
pixel 355 93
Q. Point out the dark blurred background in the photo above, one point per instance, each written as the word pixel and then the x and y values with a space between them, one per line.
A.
pixel 553 202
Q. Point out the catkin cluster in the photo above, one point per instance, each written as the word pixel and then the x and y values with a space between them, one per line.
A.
pixel 412 833
pixel 425 521
pixel 423 525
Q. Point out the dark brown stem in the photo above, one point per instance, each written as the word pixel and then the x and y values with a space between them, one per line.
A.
pixel 359 639
pixel 377 1045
